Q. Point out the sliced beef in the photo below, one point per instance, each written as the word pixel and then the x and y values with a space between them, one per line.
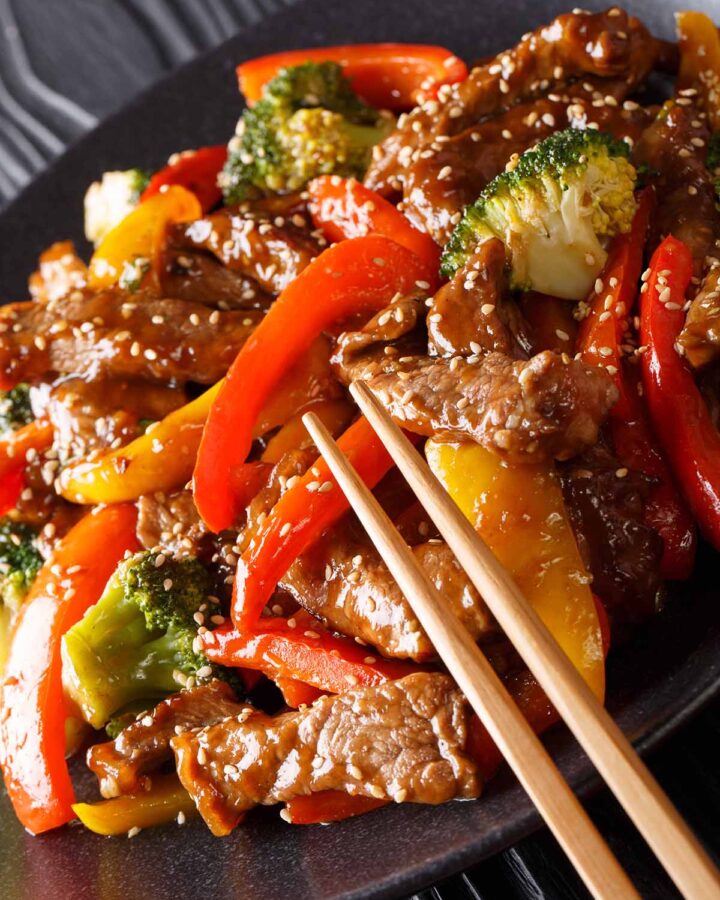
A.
pixel 60 271
pixel 605 503
pixel 118 335
pixel 170 523
pixel 609 45
pixel 343 581
pixel 466 315
pixel 122 765
pixel 700 337
pixel 674 149
pixel 547 407
pixel 92 415
pixel 404 740
pixel 271 251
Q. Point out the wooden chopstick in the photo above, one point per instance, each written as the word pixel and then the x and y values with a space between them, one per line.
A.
pixel 517 742
pixel 643 799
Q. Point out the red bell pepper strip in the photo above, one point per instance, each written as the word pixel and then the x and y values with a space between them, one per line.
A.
pixel 195 170
pixel 386 76
pixel 601 334
pixel 311 655
pixel 329 806
pixel 11 486
pixel 308 508
pixel 601 331
pixel 677 408
pixel 345 208
pixel 38 436
pixel 32 725
pixel 296 693
pixel 354 276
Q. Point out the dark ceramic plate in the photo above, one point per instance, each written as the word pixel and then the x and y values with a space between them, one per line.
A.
pixel 655 683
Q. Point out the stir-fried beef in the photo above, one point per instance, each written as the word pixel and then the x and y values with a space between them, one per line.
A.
pixel 622 553
pixel 441 179
pixel 344 582
pixel 116 335
pixel 60 271
pixel 171 524
pixel 404 740
pixel 609 44
pixel 122 765
pixel 270 251
pixel 466 315
pixel 675 148
pixel 90 415
pixel 700 338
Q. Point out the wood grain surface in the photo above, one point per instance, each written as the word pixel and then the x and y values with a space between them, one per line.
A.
pixel 64 65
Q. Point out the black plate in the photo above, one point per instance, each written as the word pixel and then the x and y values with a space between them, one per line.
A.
pixel 655 683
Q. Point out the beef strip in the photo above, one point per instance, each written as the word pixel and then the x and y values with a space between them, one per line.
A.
pixel 170 523
pixel 444 177
pixel 90 415
pixel 122 765
pixel 618 548
pixel 272 252
pixel 466 314
pixel 404 740
pixel 700 337
pixel 674 149
pixel 342 580
pixel 609 44
pixel 118 335
pixel 547 407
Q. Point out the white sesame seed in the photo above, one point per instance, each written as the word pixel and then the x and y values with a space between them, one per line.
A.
pixel 134 831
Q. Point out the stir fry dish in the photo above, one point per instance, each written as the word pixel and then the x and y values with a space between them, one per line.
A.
pixel 521 260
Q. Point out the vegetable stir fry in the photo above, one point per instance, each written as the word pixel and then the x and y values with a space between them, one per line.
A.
pixel 521 260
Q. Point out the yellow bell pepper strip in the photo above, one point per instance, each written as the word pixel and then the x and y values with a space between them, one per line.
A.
pixel 136 240
pixel 334 414
pixel 162 803
pixel 387 76
pixel 360 275
pixel 163 458
pixel 32 725
pixel 520 513
pixel 700 61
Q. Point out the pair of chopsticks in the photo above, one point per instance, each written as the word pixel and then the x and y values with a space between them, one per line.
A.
pixel 612 754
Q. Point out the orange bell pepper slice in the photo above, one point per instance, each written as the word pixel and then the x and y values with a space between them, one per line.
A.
pixel 329 806
pixel 355 276
pixel 32 725
pixel 386 76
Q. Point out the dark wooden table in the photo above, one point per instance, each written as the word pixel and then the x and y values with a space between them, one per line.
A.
pixel 64 65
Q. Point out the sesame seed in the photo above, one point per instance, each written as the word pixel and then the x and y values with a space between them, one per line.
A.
pixel 285 815
pixel 199 618
pixel 400 796
pixel 147 721
pixel 377 791
pixel 159 560
pixel 181 818
pixel 621 473
pixel 664 295
pixel 563 335
pixel 355 771
pixel 692 190
pixel 549 119
pixel 504 86
pixel 444 173
pixel 605 351
pixel 379 261
pixel 423 285
pixel 475 347
pixel 325 487
pixel 285 529
pixel 134 831
pixel 201 756
pixel 487 309
pixel 351 680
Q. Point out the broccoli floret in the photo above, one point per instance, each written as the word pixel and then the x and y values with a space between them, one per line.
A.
pixel 713 160
pixel 109 200
pixel 554 211
pixel 15 408
pixel 308 122
pixel 138 641
pixel 20 560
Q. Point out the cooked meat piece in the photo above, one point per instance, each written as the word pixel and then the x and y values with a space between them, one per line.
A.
pixel 675 147
pixel 622 553
pixel 609 44
pixel 343 581
pixel 60 271
pixel 118 335
pixel 123 764
pixel 700 337
pixel 444 177
pixel 199 277
pixel 547 407
pixel 271 252
pixel 90 415
pixel 296 462
pixel 465 317
pixel 170 523
pixel 403 740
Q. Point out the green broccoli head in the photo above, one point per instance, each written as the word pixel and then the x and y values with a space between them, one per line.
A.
pixel 139 640
pixel 20 560
pixel 15 408
pixel 309 122
pixel 554 211
pixel 713 160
